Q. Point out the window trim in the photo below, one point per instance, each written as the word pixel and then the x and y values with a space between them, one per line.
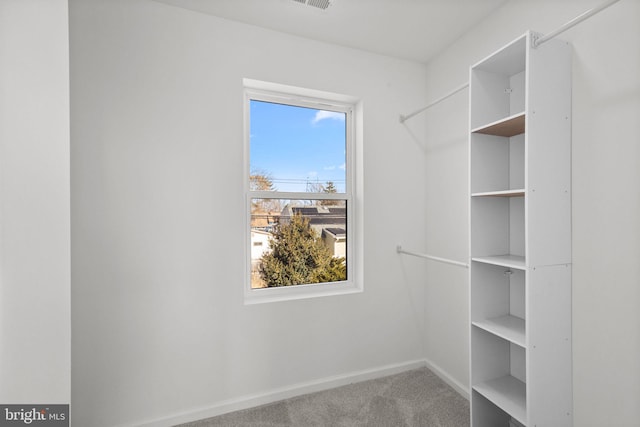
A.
pixel 291 95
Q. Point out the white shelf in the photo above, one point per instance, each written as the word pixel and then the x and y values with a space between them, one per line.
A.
pixel 507 127
pixel 510 328
pixel 510 261
pixel 509 394
pixel 502 193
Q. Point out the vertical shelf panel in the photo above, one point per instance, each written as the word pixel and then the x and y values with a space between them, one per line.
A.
pixel 549 133
pixel 549 337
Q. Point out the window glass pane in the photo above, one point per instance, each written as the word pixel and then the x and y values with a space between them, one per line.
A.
pixel 302 243
pixel 296 149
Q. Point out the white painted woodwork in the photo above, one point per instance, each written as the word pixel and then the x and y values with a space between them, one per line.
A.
pixel 35 213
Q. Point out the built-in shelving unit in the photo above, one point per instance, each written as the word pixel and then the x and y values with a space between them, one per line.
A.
pixel 520 236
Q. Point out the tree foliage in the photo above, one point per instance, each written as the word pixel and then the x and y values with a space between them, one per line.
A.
pixel 298 256
pixel 329 188
pixel 262 181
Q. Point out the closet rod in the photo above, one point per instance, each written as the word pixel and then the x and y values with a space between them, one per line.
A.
pixel 433 258
pixel 404 118
pixel 578 19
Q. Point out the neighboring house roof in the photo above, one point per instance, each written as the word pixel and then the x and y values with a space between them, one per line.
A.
pixel 338 233
pixel 319 215
pixel 262 218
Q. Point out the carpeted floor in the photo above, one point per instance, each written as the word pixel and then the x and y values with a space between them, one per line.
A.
pixel 416 398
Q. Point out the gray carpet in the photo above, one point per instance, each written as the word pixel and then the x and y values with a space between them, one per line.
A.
pixel 416 398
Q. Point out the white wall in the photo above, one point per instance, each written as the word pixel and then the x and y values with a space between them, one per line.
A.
pixel 606 199
pixel 35 330
pixel 159 325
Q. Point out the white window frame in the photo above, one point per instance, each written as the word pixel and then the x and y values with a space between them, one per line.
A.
pixel 352 107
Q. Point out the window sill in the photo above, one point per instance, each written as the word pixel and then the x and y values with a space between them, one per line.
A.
pixel 290 293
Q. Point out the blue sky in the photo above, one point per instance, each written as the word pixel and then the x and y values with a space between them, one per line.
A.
pixel 294 145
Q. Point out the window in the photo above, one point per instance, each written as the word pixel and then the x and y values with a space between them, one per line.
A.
pixel 300 183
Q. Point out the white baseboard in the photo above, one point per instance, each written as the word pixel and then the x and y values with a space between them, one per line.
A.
pixel 275 395
pixel 462 389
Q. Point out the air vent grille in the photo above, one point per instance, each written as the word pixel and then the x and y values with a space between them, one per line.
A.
pixel 320 4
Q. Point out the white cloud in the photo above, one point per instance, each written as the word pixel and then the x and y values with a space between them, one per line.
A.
pixel 332 115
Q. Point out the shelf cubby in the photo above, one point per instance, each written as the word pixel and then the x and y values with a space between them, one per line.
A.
pixel 498 86
pixel 497 163
pixel 486 414
pixel 507 393
pixel 499 374
pixel 498 230
pixel 498 301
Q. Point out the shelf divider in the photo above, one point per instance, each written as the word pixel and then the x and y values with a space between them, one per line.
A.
pixel 508 127
pixel 510 328
pixel 510 261
pixel 501 193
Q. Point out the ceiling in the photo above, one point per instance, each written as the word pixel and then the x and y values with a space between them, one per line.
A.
pixel 409 29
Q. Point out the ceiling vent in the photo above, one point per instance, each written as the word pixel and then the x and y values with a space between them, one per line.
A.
pixel 320 4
